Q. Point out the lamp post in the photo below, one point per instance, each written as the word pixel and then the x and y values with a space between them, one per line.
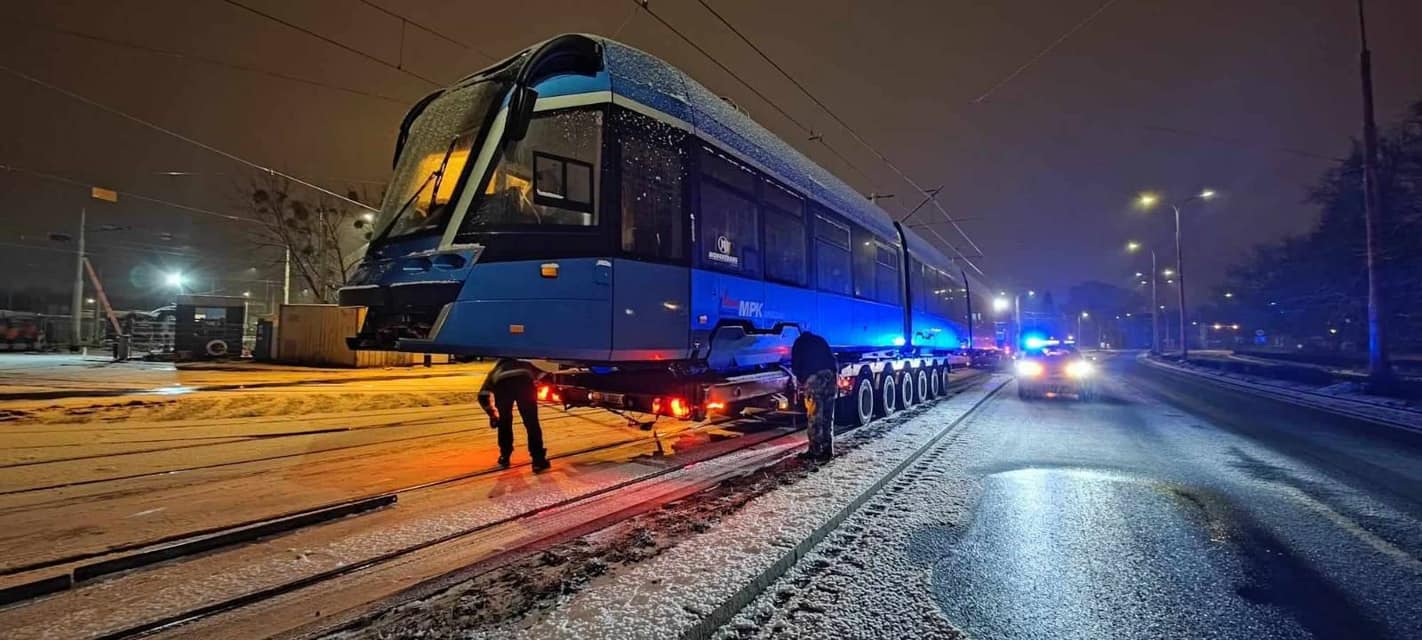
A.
pixel 1148 200
pixel 1154 301
pixel 1080 335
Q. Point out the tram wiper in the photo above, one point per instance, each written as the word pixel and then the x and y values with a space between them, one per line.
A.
pixel 435 176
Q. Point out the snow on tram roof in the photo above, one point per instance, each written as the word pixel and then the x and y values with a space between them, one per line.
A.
pixel 635 76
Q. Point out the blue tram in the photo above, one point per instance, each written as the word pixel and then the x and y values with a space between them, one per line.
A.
pixel 585 203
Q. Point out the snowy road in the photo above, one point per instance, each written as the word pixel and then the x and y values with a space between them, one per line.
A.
pixel 1220 516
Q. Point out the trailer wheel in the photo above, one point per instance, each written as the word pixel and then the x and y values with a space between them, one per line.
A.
pixel 857 409
pixel 887 401
pixel 907 397
pixel 935 381
pixel 925 391
pixel 947 369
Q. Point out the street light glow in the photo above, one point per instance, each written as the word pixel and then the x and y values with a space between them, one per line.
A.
pixel 999 304
pixel 1229 294
pixel 1148 200
pixel 246 294
pixel 175 279
pixel 1085 314
pixel 1168 272
pixel 1133 246
pixel 1207 194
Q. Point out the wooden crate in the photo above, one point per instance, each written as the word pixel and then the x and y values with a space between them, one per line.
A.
pixel 315 335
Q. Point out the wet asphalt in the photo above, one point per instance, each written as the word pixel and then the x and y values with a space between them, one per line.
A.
pixel 1171 509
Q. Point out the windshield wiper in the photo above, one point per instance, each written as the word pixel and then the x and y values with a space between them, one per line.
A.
pixel 436 176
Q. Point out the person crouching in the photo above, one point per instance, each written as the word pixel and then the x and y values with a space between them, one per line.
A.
pixel 509 383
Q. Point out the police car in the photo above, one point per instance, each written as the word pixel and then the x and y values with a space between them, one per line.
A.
pixel 1052 367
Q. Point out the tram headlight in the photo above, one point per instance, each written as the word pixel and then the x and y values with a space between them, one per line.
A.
pixel 1080 369
pixel 1028 368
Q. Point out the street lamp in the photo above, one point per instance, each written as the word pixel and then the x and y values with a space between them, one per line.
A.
pixel 175 280
pixel 1000 304
pixel 1154 301
pixel 1148 200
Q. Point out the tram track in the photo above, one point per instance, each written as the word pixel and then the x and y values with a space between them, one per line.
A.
pixel 772 437
pixel 158 548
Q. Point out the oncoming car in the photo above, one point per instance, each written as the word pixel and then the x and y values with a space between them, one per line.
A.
pixel 1052 367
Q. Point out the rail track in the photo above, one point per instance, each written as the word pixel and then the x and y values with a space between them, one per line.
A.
pixel 761 443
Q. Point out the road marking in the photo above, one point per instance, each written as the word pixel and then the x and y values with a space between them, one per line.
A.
pixel 1384 547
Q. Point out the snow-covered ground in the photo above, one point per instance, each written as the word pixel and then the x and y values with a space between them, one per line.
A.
pixel 1346 398
pixel 676 591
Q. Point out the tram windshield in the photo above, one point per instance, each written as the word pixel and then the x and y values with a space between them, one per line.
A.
pixel 440 143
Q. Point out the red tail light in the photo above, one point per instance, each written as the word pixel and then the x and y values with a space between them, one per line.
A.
pixel 656 405
pixel 680 408
pixel 543 392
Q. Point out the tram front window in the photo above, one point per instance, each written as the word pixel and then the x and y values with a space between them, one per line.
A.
pixel 433 160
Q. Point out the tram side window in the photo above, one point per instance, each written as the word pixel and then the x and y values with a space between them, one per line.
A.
pixel 730 229
pixel 865 253
pixel 832 256
pixel 653 180
pixel 886 274
pixel 548 178
pixel 784 217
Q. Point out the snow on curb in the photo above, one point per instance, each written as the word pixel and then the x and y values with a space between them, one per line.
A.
pixel 702 580
pixel 1363 409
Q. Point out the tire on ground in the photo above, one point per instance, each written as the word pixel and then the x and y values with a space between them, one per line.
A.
pixel 886 395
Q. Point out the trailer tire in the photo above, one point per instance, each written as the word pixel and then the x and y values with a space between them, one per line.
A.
pixel 907 395
pixel 924 388
pixel 886 400
pixel 935 381
pixel 947 377
pixel 857 408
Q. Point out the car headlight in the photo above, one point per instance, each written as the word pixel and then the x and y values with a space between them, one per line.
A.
pixel 1080 369
pixel 1029 368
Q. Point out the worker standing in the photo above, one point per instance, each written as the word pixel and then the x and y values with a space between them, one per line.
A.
pixel 812 363
pixel 510 383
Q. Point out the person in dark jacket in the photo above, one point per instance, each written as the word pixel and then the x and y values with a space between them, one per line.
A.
pixel 510 383
pixel 812 363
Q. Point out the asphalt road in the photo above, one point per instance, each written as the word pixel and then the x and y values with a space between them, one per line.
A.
pixel 1163 510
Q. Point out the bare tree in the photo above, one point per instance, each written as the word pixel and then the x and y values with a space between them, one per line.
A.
pixel 323 234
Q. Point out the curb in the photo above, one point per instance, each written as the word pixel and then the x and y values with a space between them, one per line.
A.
pixel 1281 394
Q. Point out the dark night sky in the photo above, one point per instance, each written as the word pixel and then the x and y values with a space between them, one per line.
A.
pixel 1046 168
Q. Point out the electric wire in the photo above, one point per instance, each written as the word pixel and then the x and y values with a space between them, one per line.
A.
pixel 853 134
pixel 192 58
pixel 127 194
pixel 202 145
pixel 333 42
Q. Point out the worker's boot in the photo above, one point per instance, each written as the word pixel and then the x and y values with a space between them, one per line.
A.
pixel 503 461
pixel 540 462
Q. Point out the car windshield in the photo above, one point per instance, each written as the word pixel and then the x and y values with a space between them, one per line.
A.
pixel 434 158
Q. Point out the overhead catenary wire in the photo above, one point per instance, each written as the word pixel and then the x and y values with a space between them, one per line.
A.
pixel 430 30
pixel 856 136
pixel 333 42
pixel 127 194
pixel 202 145
pixel 809 131
pixel 198 58
pixel 1043 53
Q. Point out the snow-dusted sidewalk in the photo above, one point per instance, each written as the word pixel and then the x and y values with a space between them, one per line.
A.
pixel 675 593
pixel 1344 398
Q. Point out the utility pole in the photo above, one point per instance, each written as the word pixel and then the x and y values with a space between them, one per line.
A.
pixel 76 301
pixel 1180 286
pixel 286 277
pixel 1379 369
pixel 1154 306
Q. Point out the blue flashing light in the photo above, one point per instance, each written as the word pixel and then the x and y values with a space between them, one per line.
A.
pixel 1034 342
